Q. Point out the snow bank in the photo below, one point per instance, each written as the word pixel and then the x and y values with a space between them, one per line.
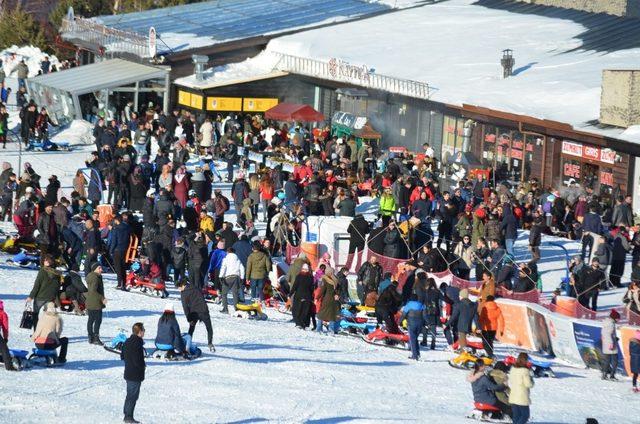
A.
pixel 80 132
pixel 31 55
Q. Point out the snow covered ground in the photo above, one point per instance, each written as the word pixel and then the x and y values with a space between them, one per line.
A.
pixel 267 371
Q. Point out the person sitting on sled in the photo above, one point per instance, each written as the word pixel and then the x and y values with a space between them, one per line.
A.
pixel 169 335
pixel 48 332
pixel 484 388
pixel 149 270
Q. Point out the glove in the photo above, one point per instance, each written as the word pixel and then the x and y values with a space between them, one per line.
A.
pixel 212 348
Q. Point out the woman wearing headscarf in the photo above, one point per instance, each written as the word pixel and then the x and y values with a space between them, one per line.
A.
pixel 330 306
pixel 181 186
pixel 302 297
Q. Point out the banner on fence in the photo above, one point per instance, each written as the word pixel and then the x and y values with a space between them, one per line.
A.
pixel 626 334
pixel 589 341
pixel 562 338
pixel 517 331
pixel 539 329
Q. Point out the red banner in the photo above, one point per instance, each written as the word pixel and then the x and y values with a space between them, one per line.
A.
pixel 516 154
pixel 607 156
pixel 606 178
pixel 590 152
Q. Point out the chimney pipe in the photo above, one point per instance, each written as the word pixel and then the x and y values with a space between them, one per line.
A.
pixel 507 63
pixel 200 62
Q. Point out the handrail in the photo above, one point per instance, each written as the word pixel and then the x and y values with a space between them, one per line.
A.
pixel 339 70
pixel 110 39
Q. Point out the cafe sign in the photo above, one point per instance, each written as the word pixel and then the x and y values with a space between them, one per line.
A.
pixel 572 148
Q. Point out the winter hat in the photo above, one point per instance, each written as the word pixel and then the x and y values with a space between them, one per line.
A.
pixel 220 245
pixel 614 314
pixel 151 192
pixel 94 266
pixel 464 294
pixel 29 190
pixel 168 307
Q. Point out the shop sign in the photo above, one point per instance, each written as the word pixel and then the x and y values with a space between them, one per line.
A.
pixel 342 68
pixel 607 156
pixel 571 170
pixel 227 104
pixel 516 154
pixel 184 98
pixel 606 178
pixel 490 138
pixel 196 101
pixel 590 152
pixel 570 148
pixel 258 105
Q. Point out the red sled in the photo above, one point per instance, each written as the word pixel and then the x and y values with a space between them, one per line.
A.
pixel 151 287
pixel 382 338
pixel 211 295
pixel 66 305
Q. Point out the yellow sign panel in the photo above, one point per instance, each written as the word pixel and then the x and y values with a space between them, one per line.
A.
pixel 184 98
pixel 258 105
pixel 227 104
pixel 196 101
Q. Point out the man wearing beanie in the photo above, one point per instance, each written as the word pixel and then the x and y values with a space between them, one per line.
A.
pixel 94 303
pixel 464 313
pixel 610 346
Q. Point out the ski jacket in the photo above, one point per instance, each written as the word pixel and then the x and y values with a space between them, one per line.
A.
pixel 120 238
pixel 216 259
pixel 464 312
pixel 258 265
pixel 491 318
pixel 413 310
pixel 592 223
pixel 609 338
pixel 49 327
pixel 483 388
pixel 193 303
pixel 94 298
pixel 133 356
pixel 370 275
pixel 169 332
pixel 4 322
pixel 47 285
pixel 231 266
pixel 520 383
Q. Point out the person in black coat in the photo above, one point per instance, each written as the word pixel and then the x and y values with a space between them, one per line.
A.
pixel 392 240
pixel 118 249
pixel 134 367
pixel 591 278
pixel 433 299
pixel 195 309
pixel 302 297
pixel 464 314
pixel 197 254
pixel 358 230
pixel 179 260
pixel 620 248
pixel 92 245
pixel 52 190
pixel 73 248
pixel 509 226
pixel 387 306
pixel 535 237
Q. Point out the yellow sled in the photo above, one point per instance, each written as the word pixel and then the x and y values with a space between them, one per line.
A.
pixel 467 360
pixel 251 311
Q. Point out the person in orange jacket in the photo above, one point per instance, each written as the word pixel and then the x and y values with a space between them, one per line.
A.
pixel 491 323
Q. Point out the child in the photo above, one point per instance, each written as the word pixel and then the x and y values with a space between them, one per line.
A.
pixel 634 362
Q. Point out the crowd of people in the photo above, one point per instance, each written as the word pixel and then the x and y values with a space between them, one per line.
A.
pixel 160 174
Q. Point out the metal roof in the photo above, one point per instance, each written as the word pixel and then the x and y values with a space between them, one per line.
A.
pixel 97 76
pixel 237 19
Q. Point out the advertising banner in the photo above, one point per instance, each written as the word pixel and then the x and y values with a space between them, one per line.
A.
pixel 588 339
pixel 562 338
pixel 258 104
pixel 227 104
pixel 626 334
pixel 516 325
pixel 539 329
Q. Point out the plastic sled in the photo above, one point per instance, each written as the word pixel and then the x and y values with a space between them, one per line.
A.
pixel 167 353
pixel 116 343
pixel 142 285
pixel 211 295
pixel 540 368
pixel 25 260
pixel 355 328
pixel 44 357
pixel 487 413
pixel 382 338
pixel 18 359
pixel 251 311
pixel 466 360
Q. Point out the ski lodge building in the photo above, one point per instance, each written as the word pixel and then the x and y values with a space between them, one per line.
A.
pixel 534 90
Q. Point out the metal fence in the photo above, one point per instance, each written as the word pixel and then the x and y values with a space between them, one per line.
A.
pixel 112 40
pixel 339 70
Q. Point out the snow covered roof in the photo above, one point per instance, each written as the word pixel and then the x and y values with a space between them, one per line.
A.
pixel 456 46
pixel 97 76
pixel 207 23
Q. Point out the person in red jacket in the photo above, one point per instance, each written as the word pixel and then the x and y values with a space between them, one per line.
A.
pixel 4 339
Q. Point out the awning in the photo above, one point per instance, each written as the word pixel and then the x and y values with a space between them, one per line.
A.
pixel 97 76
pixel 294 112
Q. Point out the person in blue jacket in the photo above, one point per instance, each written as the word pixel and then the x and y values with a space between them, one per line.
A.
pixel 413 312
pixel 634 361
pixel 169 335
pixel 118 245
pixel 215 262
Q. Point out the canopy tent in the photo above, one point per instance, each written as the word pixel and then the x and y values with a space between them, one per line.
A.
pixel 59 91
pixel 294 112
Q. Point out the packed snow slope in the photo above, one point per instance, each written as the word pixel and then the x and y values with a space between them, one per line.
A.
pixel 266 371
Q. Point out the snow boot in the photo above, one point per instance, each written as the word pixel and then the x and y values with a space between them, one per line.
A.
pixel 131 420
pixel 97 341
pixel 76 308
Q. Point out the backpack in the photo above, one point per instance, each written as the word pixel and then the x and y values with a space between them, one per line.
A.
pixel 227 206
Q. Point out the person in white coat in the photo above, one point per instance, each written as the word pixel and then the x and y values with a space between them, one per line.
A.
pixel 206 140
pixel 520 383
pixel 232 276
pixel 609 346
